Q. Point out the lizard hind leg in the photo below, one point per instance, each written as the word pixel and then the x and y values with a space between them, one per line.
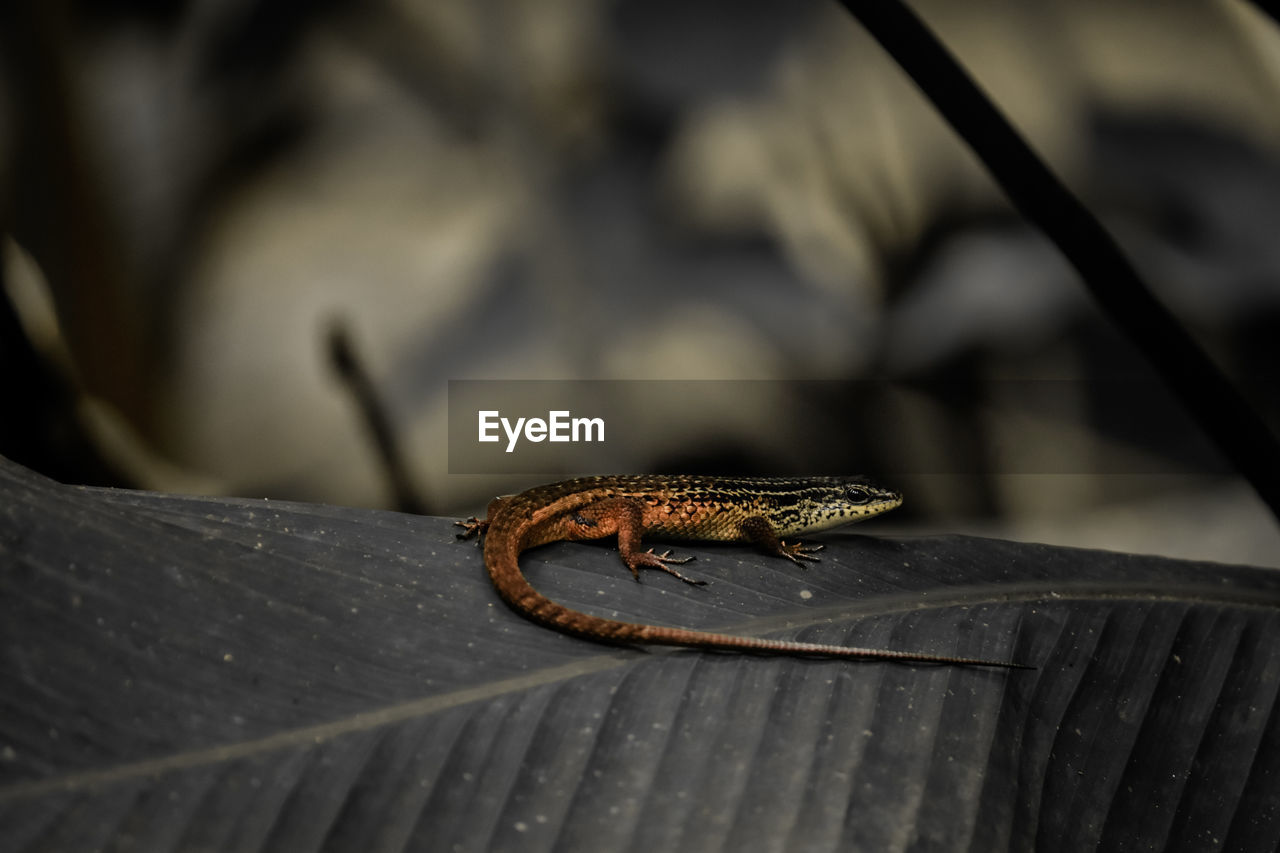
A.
pixel 473 527
pixel 478 527
pixel 660 561
pixel 625 517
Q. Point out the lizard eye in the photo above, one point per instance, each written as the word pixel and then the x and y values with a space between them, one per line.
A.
pixel 858 496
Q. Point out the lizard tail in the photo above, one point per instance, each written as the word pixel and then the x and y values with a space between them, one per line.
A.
pixel 520 595
pixel 658 635
pixel 502 553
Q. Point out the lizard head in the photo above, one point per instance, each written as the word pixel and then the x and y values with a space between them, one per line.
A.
pixel 826 502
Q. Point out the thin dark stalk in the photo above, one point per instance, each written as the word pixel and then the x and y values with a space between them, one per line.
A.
pixel 1236 429
pixel 347 364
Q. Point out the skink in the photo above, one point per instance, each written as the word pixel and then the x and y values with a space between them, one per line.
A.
pixel 760 511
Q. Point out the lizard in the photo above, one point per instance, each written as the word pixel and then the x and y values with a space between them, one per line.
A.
pixel 755 510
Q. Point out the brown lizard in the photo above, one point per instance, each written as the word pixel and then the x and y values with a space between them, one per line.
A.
pixel 756 510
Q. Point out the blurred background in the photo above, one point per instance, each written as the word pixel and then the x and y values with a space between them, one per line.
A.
pixel 210 210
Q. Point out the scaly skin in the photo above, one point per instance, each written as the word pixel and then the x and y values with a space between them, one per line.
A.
pixel 720 509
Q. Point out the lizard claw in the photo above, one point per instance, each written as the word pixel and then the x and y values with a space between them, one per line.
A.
pixel 472 526
pixel 661 561
pixel 798 551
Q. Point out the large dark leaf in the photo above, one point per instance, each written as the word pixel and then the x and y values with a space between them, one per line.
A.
pixel 193 674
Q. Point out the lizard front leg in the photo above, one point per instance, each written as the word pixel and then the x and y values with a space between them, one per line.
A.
pixel 759 532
